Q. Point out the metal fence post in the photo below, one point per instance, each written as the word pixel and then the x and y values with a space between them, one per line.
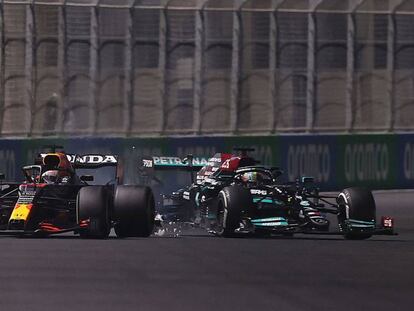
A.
pixel 310 86
pixel 273 69
pixel 198 70
pixel 128 73
pixel 235 72
pixel 30 64
pixel 311 95
pixel 391 64
pixel 350 67
pixel 2 68
pixel 94 67
pixel 162 61
pixel 62 62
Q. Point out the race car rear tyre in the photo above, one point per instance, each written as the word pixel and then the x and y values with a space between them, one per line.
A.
pixel 134 210
pixel 231 203
pixel 93 205
pixel 357 213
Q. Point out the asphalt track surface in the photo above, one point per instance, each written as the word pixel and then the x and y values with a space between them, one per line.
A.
pixel 195 271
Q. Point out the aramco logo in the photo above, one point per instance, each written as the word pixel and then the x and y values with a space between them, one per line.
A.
pixel 366 162
pixel 309 160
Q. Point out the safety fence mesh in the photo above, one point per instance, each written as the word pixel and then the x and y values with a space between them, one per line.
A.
pixel 178 67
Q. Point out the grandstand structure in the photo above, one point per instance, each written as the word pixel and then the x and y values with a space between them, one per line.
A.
pixel 133 68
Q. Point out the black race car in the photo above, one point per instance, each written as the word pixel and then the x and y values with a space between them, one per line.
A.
pixel 232 194
pixel 54 199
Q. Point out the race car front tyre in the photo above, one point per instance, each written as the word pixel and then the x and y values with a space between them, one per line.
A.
pixel 357 213
pixel 93 205
pixel 231 202
pixel 134 209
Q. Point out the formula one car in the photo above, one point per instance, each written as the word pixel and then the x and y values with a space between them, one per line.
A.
pixel 232 194
pixel 54 199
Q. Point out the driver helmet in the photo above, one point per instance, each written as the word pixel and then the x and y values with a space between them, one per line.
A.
pixel 51 177
pixel 249 177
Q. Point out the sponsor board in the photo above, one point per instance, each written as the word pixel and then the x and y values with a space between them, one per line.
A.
pixel 408 161
pixel 313 156
pixel 309 160
pixel 367 160
pixel 335 161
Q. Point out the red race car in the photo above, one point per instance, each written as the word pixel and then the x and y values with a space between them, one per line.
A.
pixel 54 199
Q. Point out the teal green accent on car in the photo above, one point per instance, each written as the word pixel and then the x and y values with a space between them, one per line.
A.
pixel 267 200
pixel 271 224
pixel 256 200
pixel 268 219
pixel 360 223
pixel 361 226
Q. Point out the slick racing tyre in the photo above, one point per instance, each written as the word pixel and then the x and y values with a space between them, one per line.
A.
pixel 93 205
pixel 356 214
pixel 231 203
pixel 134 209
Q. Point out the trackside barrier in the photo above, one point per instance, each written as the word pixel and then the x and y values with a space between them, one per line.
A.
pixel 382 161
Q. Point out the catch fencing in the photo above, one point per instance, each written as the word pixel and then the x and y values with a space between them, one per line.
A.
pixel 155 67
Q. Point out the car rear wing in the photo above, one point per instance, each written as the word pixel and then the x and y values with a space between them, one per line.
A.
pixel 90 161
pixel 189 163
pixel 164 163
